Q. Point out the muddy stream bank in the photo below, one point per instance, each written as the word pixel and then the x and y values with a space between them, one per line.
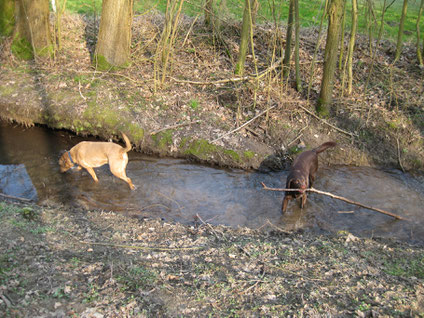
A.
pixel 177 190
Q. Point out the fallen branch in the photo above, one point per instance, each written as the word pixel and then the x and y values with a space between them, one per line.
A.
pixel 222 81
pixel 138 247
pixel 211 228
pixel 398 153
pixel 245 124
pixel 14 198
pixel 231 80
pixel 338 198
pixel 6 300
pixel 174 126
pixel 327 123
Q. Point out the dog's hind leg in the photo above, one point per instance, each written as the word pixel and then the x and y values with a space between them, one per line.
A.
pixel 120 173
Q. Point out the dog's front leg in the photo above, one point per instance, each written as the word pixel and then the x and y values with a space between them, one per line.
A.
pixel 92 173
pixel 303 200
pixel 285 203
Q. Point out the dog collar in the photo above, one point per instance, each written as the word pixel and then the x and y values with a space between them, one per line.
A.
pixel 70 158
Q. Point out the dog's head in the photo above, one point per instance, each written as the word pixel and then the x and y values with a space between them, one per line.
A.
pixel 65 162
pixel 300 184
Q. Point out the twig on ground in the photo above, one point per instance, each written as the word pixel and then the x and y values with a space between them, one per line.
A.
pixel 14 198
pixel 233 79
pixel 268 222
pixel 174 126
pixel 327 123
pixel 398 153
pixel 138 247
pixel 6 300
pixel 210 227
pixel 299 136
pixel 245 124
pixel 79 88
pixel 294 273
pixel 338 198
pixel 222 81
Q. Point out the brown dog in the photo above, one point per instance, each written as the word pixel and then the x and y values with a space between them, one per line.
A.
pixel 302 174
pixel 89 155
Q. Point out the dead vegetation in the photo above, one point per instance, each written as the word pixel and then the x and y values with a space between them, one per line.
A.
pixel 62 263
pixel 381 123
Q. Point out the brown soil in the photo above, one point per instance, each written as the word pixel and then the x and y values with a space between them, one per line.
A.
pixel 379 125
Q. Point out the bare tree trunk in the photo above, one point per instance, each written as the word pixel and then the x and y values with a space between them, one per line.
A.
pixel 209 13
pixel 400 32
pixel 244 38
pixel 287 52
pixel 352 45
pixel 419 55
pixel 335 12
pixel 7 17
pixel 342 47
pixel 255 7
pixel 312 68
pixel 369 16
pixel 32 30
pixel 165 46
pixel 59 10
pixel 114 39
pixel 296 45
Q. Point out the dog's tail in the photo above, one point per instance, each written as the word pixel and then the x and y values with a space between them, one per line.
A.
pixel 325 146
pixel 127 143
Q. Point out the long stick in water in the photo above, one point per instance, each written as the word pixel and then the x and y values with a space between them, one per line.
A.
pixel 338 198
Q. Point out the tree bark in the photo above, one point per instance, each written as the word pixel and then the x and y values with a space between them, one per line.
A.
pixel 287 52
pixel 296 45
pixel 352 45
pixel 209 13
pixel 244 38
pixel 32 30
pixel 114 39
pixel 7 17
pixel 400 32
pixel 330 57
pixel 419 54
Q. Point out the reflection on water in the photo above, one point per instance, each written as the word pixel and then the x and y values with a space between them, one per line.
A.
pixel 177 191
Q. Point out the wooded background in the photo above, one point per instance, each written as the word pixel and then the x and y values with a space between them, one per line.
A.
pixel 27 21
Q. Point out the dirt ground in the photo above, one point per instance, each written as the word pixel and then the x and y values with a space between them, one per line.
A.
pixel 57 262
pixel 193 112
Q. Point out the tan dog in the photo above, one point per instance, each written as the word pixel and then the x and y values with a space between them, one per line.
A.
pixel 89 155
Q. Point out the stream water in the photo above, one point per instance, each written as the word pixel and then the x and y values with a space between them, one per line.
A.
pixel 177 190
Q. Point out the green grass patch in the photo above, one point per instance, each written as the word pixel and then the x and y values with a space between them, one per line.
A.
pixel 194 104
pixel 137 277
pixel 310 13
pixel 163 139
pixel 411 266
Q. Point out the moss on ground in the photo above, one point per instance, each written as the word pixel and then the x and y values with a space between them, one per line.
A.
pixel 163 140
pixel 22 48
